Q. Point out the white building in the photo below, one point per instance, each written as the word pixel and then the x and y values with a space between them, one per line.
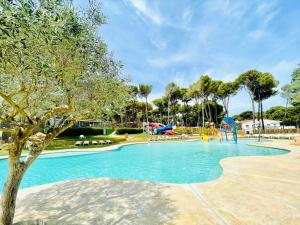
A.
pixel 247 125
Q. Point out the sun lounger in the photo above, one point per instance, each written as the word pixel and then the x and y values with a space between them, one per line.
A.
pixel 86 143
pixel 78 143
pixel 94 142
pixel 108 142
pixel 101 142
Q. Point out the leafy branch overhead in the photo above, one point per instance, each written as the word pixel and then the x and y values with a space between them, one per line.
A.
pixel 53 65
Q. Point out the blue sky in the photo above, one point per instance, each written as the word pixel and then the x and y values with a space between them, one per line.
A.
pixel 160 41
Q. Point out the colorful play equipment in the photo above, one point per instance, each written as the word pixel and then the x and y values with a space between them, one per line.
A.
pixel 227 126
pixel 161 129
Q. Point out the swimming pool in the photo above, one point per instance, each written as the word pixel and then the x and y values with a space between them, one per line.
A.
pixel 173 162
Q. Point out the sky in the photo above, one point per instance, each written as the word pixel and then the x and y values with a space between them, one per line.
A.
pixel 163 41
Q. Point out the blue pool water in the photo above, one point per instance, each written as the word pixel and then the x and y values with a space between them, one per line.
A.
pixel 184 162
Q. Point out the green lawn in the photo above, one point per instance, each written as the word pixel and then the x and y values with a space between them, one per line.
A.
pixel 69 141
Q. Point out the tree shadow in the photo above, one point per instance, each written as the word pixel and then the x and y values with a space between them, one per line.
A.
pixel 97 201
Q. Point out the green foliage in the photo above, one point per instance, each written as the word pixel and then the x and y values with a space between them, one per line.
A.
pixel 193 130
pixel 52 56
pixel 121 131
pixel 144 90
pixel 289 116
pixel 292 91
pixel 265 88
pixel 247 115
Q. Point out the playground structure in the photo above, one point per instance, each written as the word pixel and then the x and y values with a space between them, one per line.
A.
pixel 227 126
pixel 155 128
pixel 213 134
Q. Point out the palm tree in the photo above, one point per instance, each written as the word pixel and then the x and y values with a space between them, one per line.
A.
pixel 144 91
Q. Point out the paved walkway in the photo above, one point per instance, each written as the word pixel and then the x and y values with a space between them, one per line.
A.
pixel 255 190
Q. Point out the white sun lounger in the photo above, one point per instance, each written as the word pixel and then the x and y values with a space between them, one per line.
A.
pixel 108 142
pixel 94 142
pixel 78 143
pixel 86 143
pixel 101 142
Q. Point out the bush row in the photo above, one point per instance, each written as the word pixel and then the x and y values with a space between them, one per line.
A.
pixel 276 131
pixel 129 130
pixel 193 130
pixel 76 131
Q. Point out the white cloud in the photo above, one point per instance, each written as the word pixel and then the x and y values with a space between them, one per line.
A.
pixel 228 8
pixel 283 70
pixel 180 57
pixel 143 9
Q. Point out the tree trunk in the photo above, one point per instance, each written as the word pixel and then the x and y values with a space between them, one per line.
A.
pixel 258 119
pixel 209 111
pixel 205 110
pixel 253 105
pixel 285 112
pixel 10 191
pixel 262 115
pixel 253 110
pixel 225 106
pixel 216 113
pixel 168 111
pixel 147 110
pixel 203 122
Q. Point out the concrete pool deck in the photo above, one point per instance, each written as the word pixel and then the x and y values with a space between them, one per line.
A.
pixel 258 190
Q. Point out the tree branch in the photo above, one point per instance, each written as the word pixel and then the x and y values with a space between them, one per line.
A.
pixel 54 112
pixel 45 140
pixel 16 107
pixel 8 130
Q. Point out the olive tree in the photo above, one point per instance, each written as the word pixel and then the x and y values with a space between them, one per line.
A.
pixel 52 65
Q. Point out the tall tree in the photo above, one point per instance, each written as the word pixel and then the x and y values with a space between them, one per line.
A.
pixel 144 91
pixel 214 86
pixel 292 90
pixel 161 105
pixel 195 92
pixel 185 98
pixel 173 93
pixel 265 89
pixel 249 80
pixel 52 65
pixel 225 90
pixel 205 83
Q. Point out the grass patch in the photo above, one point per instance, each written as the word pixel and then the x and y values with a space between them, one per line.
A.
pixel 67 142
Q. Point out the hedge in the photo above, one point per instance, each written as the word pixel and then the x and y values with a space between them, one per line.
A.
pixel 276 131
pixel 193 130
pixel 129 130
pixel 76 131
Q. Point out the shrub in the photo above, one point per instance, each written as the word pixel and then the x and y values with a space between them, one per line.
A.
pixel 193 130
pixel 76 131
pixel 129 130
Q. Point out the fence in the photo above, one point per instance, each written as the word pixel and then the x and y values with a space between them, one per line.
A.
pixel 277 131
